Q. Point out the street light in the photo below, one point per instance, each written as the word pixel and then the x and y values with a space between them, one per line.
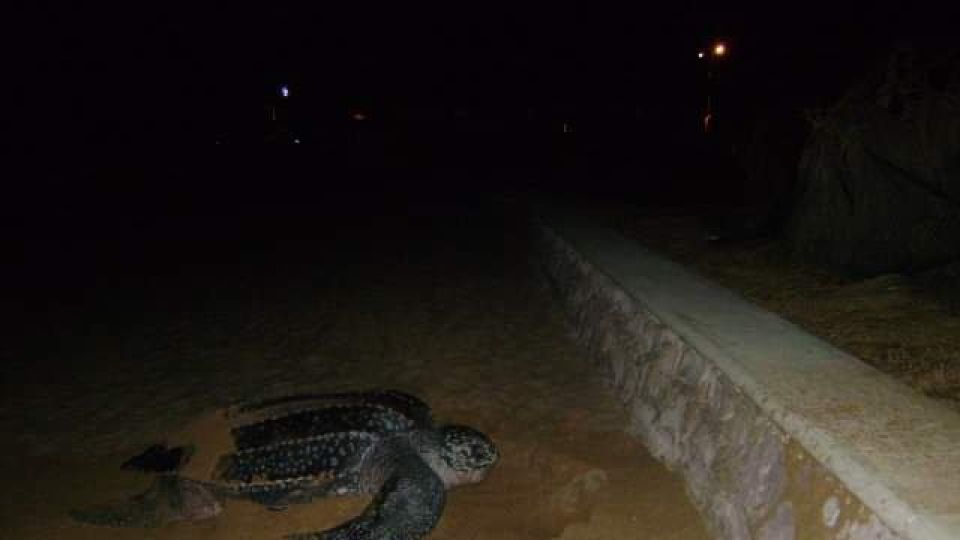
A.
pixel 717 52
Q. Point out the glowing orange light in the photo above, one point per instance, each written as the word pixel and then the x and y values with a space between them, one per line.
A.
pixel 720 49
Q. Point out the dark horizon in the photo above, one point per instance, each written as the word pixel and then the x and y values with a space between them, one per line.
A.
pixel 121 75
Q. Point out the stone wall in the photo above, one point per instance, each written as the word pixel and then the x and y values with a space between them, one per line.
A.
pixel 749 477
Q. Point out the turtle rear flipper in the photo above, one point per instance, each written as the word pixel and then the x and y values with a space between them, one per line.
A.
pixel 170 498
pixel 408 505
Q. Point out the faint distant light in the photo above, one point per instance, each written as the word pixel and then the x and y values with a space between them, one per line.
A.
pixel 567 127
pixel 284 90
pixel 700 54
pixel 720 49
pixel 358 116
pixel 296 141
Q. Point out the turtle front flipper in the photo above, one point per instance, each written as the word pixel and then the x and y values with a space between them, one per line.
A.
pixel 159 458
pixel 407 507
pixel 169 498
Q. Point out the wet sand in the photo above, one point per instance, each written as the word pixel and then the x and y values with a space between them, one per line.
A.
pixel 439 304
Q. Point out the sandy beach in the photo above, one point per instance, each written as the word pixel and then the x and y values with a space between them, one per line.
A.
pixel 442 304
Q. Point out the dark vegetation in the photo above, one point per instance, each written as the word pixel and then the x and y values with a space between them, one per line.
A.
pixel 843 216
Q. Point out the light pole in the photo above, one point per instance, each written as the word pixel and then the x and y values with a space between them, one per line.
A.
pixel 278 119
pixel 713 57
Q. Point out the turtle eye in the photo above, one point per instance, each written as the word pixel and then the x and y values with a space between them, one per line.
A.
pixel 477 454
pixel 479 451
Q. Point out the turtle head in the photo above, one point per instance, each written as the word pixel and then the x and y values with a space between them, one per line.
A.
pixel 463 455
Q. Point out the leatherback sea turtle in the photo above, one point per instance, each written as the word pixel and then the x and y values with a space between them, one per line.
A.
pixel 296 448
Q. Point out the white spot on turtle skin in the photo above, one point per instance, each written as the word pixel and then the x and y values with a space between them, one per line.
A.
pixel 831 512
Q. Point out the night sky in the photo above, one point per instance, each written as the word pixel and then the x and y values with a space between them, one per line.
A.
pixel 110 89
pixel 119 73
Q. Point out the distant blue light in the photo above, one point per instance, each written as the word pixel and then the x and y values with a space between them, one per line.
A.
pixel 284 90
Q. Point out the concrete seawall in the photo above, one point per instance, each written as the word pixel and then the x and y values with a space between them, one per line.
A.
pixel 778 434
